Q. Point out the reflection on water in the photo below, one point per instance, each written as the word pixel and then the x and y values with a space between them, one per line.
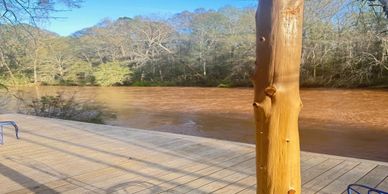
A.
pixel 343 122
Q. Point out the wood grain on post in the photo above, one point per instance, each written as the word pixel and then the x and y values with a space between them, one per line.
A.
pixel 277 102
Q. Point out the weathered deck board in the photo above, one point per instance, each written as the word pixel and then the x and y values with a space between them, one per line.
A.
pixel 319 169
pixel 375 176
pixel 383 185
pixel 328 177
pixel 70 157
pixel 235 187
pixel 339 185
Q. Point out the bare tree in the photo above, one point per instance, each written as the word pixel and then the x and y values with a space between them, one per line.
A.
pixel 30 11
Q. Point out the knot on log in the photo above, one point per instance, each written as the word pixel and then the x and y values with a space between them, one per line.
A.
pixel 292 191
pixel 257 105
pixel 262 168
pixel 270 91
pixel 292 11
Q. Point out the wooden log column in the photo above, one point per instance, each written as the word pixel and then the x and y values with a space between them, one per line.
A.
pixel 276 101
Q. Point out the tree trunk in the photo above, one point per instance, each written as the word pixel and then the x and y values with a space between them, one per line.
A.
pixel 204 68
pixel 35 74
pixel 161 75
pixel 142 75
pixel 277 102
pixel 35 67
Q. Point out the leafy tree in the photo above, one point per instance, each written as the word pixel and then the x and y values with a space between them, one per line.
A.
pixel 112 73
pixel 31 11
pixel 80 73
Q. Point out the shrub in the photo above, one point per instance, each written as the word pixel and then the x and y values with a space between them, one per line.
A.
pixel 61 107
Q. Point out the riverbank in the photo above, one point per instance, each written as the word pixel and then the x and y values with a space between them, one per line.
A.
pixel 183 83
pixel 245 84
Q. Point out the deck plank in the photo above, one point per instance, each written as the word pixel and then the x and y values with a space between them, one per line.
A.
pixel 328 177
pixel 311 162
pixel 179 168
pixel 383 185
pixel 374 177
pixel 72 157
pixel 340 184
pixel 238 186
pixel 319 169
pixel 192 181
pixel 248 190
pixel 224 180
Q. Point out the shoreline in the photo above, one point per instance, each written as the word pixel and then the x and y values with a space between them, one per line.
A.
pixel 383 88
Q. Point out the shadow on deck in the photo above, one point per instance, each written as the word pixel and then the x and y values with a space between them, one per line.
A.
pixel 56 156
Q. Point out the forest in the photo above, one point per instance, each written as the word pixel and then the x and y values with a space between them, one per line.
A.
pixel 345 44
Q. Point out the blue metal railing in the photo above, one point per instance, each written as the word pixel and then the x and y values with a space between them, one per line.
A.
pixel 8 123
pixel 352 189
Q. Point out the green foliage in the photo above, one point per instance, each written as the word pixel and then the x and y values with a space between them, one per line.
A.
pixel 3 87
pixel 18 80
pixel 80 73
pixel 110 74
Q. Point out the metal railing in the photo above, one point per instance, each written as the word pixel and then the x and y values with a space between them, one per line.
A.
pixel 355 189
pixel 8 123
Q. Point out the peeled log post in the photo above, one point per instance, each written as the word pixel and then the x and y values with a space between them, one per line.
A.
pixel 276 101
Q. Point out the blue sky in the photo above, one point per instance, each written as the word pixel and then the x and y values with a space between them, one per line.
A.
pixel 93 11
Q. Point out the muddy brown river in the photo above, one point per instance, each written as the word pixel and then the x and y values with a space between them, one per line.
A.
pixel 350 123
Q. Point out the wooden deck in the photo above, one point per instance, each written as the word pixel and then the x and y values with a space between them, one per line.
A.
pixel 56 156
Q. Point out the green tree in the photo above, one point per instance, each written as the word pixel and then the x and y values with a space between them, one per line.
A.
pixel 80 73
pixel 109 74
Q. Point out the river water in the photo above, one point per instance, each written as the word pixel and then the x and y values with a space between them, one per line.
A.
pixel 350 123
